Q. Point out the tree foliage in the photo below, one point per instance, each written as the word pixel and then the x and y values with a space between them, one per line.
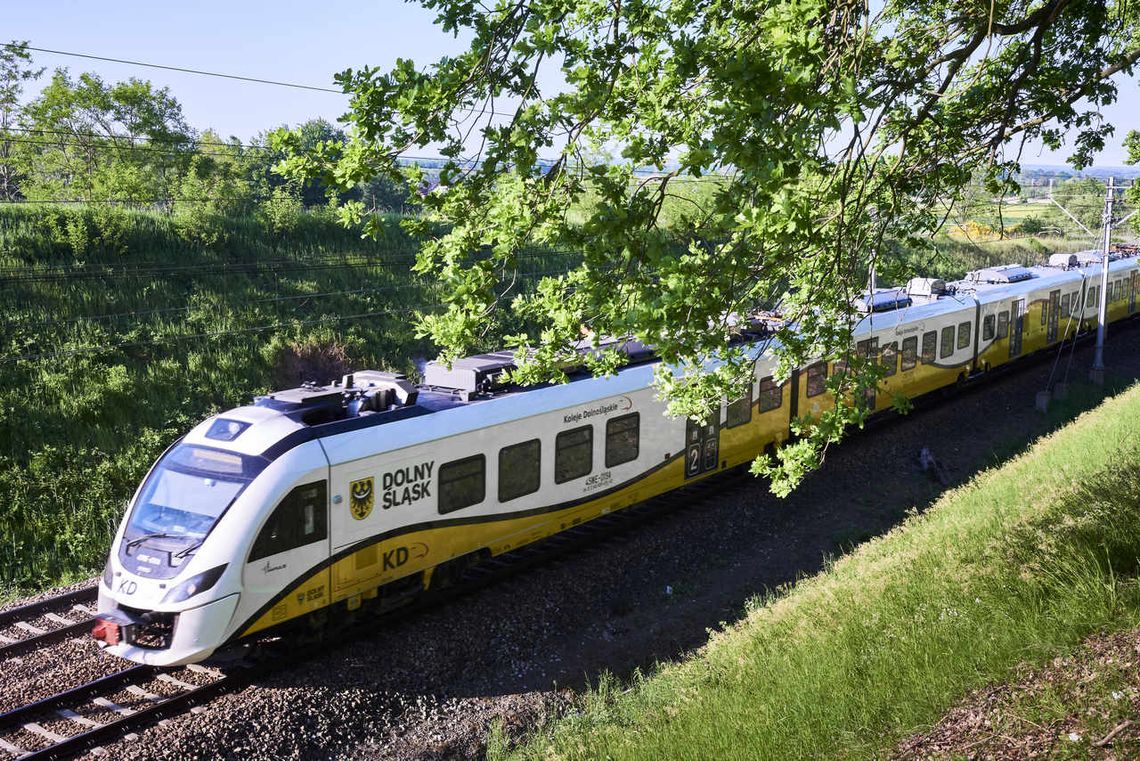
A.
pixel 85 139
pixel 15 70
pixel 829 127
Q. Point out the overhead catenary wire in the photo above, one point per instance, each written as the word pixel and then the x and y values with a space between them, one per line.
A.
pixel 222 75
pixel 182 69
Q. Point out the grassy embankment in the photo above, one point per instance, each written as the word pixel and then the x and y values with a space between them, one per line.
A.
pixel 1019 564
pixel 121 329
pixel 119 333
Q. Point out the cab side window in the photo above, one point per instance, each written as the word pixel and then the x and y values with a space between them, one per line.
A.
pixel 301 518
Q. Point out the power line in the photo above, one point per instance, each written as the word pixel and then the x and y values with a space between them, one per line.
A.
pixel 182 69
pixel 238 77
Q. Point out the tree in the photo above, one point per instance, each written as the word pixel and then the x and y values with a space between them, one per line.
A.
pixel 89 140
pixel 1084 199
pixel 214 187
pixel 15 70
pixel 313 191
pixel 839 128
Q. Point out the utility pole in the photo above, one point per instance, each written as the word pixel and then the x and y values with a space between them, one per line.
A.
pixel 1096 375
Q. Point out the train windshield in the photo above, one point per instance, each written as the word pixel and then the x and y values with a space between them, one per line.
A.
pixel 188 491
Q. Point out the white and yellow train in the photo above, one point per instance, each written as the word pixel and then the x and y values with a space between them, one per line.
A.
pixel 372 487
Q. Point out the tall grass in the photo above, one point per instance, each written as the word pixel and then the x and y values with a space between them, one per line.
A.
pixel 1022 562
pixel 119 333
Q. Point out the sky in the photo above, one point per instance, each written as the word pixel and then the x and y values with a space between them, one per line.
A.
pixel 288 41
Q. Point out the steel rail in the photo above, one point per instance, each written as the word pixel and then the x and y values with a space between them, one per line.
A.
pixel 109 683
pixel 142 717
pixel 37 609
pixel 36 641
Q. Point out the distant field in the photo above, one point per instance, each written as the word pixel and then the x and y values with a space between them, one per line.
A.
pixel 1019 564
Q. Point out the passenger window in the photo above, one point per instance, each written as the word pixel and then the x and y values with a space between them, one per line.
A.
pixel 963 335
pixel 573 454
pixel 988 327
pixel 909 353
pixel 890 358
pixel 738 412
pixel 623 435
pixel 817 379
pixel 947 342
pixel 1065 305
pixel 301 518
pixel 462 483
pixel 519 470
pixel 771 395
pixel 929 346
pixel 1003 324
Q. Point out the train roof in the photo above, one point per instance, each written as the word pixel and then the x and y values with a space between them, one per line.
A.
pixel 478 391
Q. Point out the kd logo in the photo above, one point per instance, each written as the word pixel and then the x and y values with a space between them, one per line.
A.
pixel 361 497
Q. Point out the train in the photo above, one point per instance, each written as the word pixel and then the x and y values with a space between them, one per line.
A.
pixel 272 517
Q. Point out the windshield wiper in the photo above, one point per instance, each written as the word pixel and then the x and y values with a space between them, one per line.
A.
pixel 184 552
pixel 156 535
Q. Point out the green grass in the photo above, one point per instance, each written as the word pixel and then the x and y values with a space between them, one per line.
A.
pixel 120 332
pixel 1020 564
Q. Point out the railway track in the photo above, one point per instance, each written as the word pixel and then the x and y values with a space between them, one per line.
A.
pixel 110 708
pixel 39 624
pixel 105 710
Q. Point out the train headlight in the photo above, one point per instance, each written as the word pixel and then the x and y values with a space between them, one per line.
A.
pixel 195 584
pixel 107 575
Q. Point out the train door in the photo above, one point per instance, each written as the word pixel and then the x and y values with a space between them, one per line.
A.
pixel 702 446
pixel 1016 327
pixel 291 544
pixel 1132 293
pixel 1054 312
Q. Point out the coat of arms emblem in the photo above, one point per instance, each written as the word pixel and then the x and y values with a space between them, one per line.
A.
pixel 361 497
